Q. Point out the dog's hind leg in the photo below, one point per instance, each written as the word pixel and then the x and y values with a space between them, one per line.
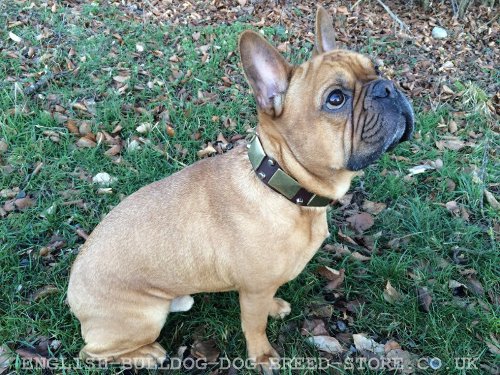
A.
pixel 126 335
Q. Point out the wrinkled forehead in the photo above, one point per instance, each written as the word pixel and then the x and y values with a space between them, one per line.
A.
pixel 343 69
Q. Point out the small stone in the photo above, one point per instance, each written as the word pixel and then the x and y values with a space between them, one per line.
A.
pixel 439 33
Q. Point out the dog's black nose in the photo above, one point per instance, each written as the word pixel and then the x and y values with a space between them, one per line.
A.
pixel 384 89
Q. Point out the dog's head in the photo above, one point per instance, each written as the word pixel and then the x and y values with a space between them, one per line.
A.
pixel 333 113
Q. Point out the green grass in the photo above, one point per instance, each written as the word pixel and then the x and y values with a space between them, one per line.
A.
pixel 454 327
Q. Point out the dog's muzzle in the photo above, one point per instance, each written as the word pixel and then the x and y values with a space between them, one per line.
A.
pixel 388 120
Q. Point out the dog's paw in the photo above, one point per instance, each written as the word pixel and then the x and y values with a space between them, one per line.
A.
pixel 268 363
pixel 280 308
pixel 148 357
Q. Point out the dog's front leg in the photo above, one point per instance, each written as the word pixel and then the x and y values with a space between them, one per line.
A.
pixel 255 307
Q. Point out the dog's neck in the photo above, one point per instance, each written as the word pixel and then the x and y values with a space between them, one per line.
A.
pixel 332 184
pixel 270 173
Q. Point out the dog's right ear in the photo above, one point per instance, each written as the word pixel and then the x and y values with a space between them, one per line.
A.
pixel 266 70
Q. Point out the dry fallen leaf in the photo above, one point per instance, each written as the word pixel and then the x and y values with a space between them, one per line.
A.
pixel 14 37
pixel 390 294
pixel 43 292
pixel 361 222
pixel 335 277
pixel 493 345
pixel 209 150
pixel 3 146
pixel 121 79
pixel 373 208
pixel 453 207
pixel 206 350
pixel 424 299
pixel 491 200
pixel 326 344
pixel 419 169
pixel 85 142
pixel 23 203
pixel 360 257
pixel 313 327
pixel 401 360
pixel 5 358
pixel 475 286
pixel 361 342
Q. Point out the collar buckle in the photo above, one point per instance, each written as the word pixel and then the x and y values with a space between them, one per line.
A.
pixel 271 174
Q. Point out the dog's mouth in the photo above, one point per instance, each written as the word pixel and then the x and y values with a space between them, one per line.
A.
pixel 395 124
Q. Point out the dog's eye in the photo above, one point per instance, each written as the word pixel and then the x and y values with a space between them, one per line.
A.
pixel 335 100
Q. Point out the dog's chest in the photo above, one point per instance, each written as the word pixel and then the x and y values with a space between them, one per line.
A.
pixel 303 244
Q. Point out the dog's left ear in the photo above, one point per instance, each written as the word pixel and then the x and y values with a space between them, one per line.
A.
pixel 266 71
pixel 325 35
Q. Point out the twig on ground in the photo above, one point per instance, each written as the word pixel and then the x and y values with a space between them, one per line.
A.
pixel 401 24
pixel 31 89
pixel 355 4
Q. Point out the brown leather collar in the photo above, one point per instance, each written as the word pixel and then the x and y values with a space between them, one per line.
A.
pixel 271 174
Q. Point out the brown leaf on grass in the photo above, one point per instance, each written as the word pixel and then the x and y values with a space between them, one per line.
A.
pixel 358 256
pixel 43 292
pixel 14 37
pixel 453 207
pixel 85 142
pixel 475 286
pixel 338 250
pixel 6 358
pixel 121 79
pixel 391 345
pixel 114 150
pixel 313 327
pixel 424 299
pixel 206 350
pixel 373 208
pixel 321 311
pixel 23 203
pixel 493 344
pixel 209 150
pixel 361 342
pixel 390 294
pixel 335 277
pixel 401 360
pixel 452 143
pixel 490 198
pixel 4 146
pixel 450 185
pixel 346 238
pixel 326 344
pixel 361 222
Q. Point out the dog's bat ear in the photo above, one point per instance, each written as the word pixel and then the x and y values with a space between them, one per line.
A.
pixel 325 35
pixel 266 70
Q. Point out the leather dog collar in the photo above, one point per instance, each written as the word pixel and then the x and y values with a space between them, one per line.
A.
pixel 271 174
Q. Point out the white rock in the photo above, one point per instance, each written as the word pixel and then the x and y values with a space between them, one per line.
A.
pixel 439 33
pixel 103 179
